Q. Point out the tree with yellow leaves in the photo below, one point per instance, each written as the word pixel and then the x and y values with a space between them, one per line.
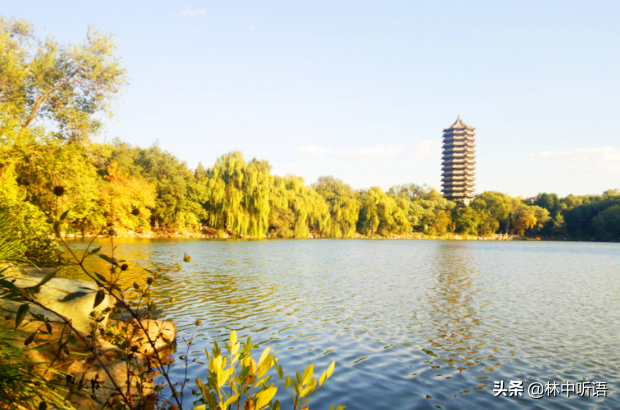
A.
pixel 126 201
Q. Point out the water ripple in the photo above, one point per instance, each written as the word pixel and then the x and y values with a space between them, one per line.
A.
pixel 411 324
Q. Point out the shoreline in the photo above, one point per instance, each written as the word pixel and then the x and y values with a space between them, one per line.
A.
pixel 172 234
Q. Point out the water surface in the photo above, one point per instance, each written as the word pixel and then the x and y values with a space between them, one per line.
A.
pixel 411 324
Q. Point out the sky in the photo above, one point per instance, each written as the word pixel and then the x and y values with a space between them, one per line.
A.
pixel 362 90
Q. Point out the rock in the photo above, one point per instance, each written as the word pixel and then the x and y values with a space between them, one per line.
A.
pixel 28 271
pixel 73 299
pixel 114 374
pixel 160 332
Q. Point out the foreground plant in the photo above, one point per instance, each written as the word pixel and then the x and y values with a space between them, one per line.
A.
pixel 236 379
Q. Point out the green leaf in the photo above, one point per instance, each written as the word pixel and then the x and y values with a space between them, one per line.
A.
pixel 21 314
pixel 264 397
pixel 43 281
pixel 99 298
pixel 295 386
pixel 203 389
pixel 94 251
pixel 64 215
pixel 30 339
pixel 276 405
pixel 287 382
pixel 109 260
pixel 101 277
pixel 48 327
pixel 7 285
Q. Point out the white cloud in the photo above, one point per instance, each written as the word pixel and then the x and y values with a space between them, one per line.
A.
pixel 421 151
pixel 312 151
pixel 252 28
pixel 426 149
pixel 606 159
pixel 192 13
pixel 604 167
pixel 376 151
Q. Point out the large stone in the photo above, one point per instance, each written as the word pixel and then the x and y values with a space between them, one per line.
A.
pixel 118 374
pixel 160 332
pixel 109 365
pixel 9 269
pixel 74 299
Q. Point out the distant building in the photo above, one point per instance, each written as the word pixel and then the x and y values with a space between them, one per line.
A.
pixel 458 162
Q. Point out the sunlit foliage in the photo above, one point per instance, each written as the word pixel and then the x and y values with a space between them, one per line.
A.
pixel 54 97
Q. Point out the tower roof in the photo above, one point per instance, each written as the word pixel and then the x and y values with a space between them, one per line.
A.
pixel 459 124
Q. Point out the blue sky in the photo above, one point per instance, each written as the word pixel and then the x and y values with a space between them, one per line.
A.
pixel 362 90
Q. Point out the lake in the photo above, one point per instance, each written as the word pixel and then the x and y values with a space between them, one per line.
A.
pixel 412 324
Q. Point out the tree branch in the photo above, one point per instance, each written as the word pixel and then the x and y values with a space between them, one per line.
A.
pixel 41 100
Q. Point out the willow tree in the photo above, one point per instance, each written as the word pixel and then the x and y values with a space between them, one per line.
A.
pixel 303 208
pixel 237 195
pixel 343 206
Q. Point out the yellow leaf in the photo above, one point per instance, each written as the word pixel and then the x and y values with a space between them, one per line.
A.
pixel 330 370
pixel 264 355
pixel 264 397
pixel 308 373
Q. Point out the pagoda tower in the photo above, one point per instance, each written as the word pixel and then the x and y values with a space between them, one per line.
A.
pixel 458 162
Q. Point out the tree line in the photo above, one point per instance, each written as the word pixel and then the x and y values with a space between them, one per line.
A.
pixel 55 178
pixel 87 186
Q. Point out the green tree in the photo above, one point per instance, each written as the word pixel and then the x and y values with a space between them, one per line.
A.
pixel 499 205
pixel 467 220
pixel 606 224
pixel 180 192
pixel 62 86
pixel 343 206
pixel 126 201
pixel 238 195
pixel 53 97
pixel 60 180
pixel 380 213
pixel 423 205
pixel 296 203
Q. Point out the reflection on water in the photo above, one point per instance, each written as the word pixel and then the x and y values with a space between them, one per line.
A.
pixel 411 324
pixel 450 321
